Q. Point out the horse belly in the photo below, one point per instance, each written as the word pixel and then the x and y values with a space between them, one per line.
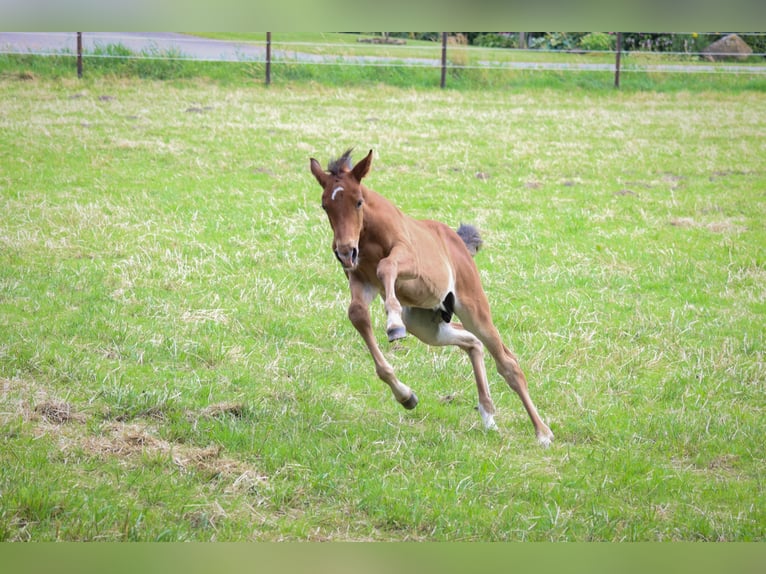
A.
pixel 413 293
pixel 426 292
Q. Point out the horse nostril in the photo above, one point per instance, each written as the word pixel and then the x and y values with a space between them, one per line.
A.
pixel 347 256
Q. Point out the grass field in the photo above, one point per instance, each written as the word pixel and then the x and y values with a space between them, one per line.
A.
pixel 176 362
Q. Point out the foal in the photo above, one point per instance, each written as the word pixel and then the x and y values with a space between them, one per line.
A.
pixel 424 272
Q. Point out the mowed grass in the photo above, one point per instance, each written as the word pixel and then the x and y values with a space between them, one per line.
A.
pixel 175 357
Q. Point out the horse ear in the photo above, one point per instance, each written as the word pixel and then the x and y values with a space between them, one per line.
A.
pixel 363 167
pixel 319 173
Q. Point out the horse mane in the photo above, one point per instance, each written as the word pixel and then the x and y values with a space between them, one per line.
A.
pixel 342 164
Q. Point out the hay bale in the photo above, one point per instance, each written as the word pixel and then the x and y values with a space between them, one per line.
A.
pixel 730 47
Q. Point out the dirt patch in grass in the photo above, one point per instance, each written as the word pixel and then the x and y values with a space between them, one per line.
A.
pixel 57 412
pixel 23 399
pixel 723 466
pixel 722 226
pixel 131 441
pixel 44 415
pixel 216 410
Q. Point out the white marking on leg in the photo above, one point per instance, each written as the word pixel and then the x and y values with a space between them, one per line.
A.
pixel 488 419
pixel 394 321
pixel 545 440
pixel 335 192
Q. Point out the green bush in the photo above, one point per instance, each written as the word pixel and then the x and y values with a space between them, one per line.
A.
pixel 597 42
pixel 642 41
pixel 495 40
pixel 756 41
pixel 555 40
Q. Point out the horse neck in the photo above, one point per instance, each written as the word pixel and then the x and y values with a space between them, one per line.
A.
pixel 383 221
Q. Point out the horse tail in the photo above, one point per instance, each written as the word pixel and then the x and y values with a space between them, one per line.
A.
pixel 470 236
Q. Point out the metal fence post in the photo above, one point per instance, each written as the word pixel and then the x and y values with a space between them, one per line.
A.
pixel 444 59
pixel 268 58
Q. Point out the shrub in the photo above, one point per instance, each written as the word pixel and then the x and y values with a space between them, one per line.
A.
pixel 555 41
pixel 495 40
pixel 597 41
pixel 633 41
pixel 756 41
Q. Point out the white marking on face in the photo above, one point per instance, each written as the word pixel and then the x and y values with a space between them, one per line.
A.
pixel 335 192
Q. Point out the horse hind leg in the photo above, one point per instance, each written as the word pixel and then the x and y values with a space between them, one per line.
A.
pixel 478 321
pixel 429 326
pixel 508 367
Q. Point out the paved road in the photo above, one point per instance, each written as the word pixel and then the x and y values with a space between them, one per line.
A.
pixel 185 45
pixel 193 47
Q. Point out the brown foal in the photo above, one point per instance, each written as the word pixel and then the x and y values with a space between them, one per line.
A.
pixel 424 272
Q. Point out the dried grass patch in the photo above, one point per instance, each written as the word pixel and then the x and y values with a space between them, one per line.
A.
pixel 236 410
pixel 723 226
pixel 31 403
pixel 130 441
pixel 58 412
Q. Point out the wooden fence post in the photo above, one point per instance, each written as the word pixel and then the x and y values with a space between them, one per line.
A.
pixel 79 54
pixel 268 58
pixel 617 62
pixel 444 59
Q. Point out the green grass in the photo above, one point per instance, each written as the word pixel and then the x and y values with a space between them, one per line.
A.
pixel 176 362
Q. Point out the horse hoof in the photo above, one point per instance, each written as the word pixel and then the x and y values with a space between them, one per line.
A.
pixel 545 440
pixel 396 333
pixel 411 403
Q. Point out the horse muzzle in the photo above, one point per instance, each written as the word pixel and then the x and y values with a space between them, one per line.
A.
pixel 348 257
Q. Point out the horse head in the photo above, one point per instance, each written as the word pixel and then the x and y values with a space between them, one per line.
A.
pixel 343 201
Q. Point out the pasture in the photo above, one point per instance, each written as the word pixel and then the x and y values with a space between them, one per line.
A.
pixel 176 362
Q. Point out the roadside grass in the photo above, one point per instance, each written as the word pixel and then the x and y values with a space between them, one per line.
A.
pixel 176 362
pixel 414 65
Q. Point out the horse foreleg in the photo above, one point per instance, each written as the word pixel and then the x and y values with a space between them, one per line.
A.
pixel 359 315
pixel 398 264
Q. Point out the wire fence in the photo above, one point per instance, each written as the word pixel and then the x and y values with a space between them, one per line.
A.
pixel 443 55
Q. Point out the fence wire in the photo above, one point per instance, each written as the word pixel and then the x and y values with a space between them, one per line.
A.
pixel 177 47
